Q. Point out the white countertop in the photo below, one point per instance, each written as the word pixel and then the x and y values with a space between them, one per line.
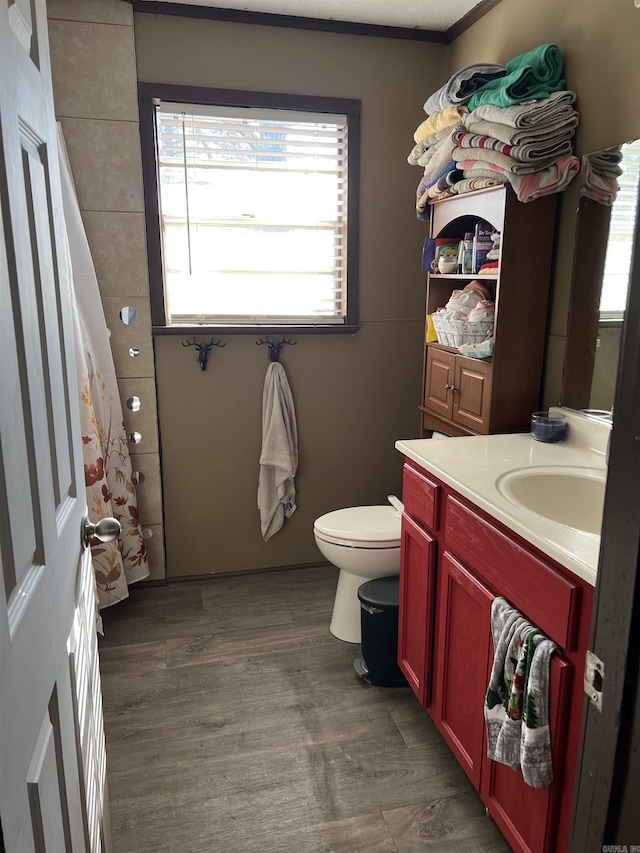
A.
pixel 473 464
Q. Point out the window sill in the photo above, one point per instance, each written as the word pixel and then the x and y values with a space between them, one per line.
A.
pixel 255 330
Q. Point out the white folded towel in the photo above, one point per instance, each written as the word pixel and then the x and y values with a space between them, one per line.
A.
pixel 279 456
pixel 562 128
pixel 558 106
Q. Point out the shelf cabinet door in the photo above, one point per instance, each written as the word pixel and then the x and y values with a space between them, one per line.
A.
pixel 417 587
pixel 439 378
pixel 472 397
pixel 462 659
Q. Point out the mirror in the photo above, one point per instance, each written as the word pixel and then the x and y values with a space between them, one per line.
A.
pixel 607 212
pixel 128 315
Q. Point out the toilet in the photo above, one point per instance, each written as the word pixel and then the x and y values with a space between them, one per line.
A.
pixel 364 543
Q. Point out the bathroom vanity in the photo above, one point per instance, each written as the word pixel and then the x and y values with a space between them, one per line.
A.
pixel 469 534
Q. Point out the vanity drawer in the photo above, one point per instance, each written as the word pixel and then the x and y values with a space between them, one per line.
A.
pixel 421 497
pixel 543 595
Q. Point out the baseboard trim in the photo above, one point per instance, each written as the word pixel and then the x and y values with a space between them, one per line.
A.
pixel 215 575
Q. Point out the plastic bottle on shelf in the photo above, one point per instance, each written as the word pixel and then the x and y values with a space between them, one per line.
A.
pixel 465 254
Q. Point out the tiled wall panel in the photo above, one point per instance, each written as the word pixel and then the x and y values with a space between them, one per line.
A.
pixel 94 75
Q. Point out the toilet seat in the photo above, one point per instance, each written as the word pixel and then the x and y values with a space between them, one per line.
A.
pixel 360 527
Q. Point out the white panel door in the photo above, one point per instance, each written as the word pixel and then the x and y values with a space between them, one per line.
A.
pixel 52 776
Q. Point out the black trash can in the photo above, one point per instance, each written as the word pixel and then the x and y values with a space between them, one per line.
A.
pixel 379 623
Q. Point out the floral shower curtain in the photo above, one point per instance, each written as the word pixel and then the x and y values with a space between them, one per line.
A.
pixel 107 464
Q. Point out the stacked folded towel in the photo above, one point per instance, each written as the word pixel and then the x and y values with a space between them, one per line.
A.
pixel 599 175
pixel 447 118
pixel 530 76
pixel 493 124
pixel 520 128
pixel 529 146
pixel 463 85
pixel 431 187
pixel 517 700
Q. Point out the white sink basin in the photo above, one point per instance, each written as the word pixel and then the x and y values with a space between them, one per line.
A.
pixel 571 496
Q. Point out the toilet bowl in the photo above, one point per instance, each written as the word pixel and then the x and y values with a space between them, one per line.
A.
pixel 364 543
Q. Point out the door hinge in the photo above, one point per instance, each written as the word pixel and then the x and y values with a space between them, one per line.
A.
pixel 594 679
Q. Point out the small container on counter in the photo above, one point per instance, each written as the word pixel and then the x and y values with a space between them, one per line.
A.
pixel 548 427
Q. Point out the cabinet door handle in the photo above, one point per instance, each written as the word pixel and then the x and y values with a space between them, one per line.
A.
pixel 452 388
pixel 448 387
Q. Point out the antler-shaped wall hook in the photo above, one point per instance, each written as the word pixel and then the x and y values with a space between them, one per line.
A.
pixel 275 347
pixel 203 350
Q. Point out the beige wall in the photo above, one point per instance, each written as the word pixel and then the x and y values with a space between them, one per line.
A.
pixel 94 83
pixel 354 395
pixel 599 40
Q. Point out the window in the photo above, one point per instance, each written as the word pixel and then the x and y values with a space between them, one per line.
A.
pixel 252 209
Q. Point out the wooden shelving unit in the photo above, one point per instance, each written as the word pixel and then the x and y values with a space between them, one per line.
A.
pixel 467 396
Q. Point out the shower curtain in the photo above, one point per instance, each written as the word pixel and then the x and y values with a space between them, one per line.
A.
pixel 107 464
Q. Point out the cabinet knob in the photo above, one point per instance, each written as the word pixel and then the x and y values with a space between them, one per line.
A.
pixel 453 388
pixel 448 387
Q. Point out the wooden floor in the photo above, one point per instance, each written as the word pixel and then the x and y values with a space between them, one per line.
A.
pixel 235 724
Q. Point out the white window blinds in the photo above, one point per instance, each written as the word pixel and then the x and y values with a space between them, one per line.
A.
pixel 253 215
pixel 617 268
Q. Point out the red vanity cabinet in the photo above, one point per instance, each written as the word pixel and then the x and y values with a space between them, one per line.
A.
pixel 462 662
pixel 418 550
pixel 415 618
pixel 446 647
pixel 529 817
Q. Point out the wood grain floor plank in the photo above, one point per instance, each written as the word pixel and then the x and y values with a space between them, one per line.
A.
pixel 362 834
pixel 306 596
pixel 239 762
pixel 280 731
pixel 165 622
pixel 188 651
pixel 455 824
pixel 304 604
pixel 133 659
pixel 273 584
pixel 299 787
pixel 152 613
pixel 244 692
pixel 415 726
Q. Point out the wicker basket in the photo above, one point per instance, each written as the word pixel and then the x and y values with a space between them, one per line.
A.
pixel 454 333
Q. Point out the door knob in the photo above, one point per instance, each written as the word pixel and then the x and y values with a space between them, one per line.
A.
pixel 106 530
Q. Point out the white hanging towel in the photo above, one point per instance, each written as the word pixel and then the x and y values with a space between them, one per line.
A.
pixel 279 456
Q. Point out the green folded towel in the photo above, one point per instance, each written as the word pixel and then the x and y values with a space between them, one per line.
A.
pixel 531 76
